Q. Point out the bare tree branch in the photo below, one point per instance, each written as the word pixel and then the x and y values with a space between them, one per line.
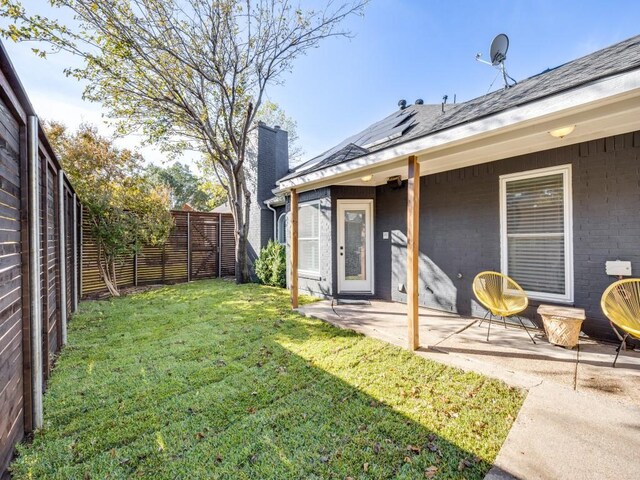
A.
pixel 192 70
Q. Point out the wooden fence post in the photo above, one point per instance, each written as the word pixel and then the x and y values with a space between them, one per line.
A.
pixel 188 247
pixel 76 270
pixel 81 253
pixel 135 269
pixel 163 260
pixel 219 245
pixel 25 260
pixel 44 204
pixel 34 270
pixel 63 257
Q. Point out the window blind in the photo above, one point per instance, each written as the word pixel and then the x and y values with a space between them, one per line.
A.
pixel 281 229
pixel 535 232
pixel 308 238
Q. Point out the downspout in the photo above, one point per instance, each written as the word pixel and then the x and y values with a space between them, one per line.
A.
pixel 34 269
pixel 275 220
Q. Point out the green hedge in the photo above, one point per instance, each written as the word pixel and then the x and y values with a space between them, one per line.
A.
pixel 271 265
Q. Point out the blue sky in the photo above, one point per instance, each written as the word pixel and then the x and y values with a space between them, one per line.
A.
pixel 402 49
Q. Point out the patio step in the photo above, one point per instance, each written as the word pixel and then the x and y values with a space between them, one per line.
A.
pixel 351 301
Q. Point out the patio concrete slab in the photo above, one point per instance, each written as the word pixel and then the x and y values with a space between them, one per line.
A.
pixel 580 419
pixel 595 375
pixel 461 341
pixel 561 433
pixel 512 350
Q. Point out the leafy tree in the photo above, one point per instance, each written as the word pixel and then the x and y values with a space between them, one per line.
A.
pixel 188 74
pixel 124 209
pixel 186 187
pixel 271 114
pixel 215 193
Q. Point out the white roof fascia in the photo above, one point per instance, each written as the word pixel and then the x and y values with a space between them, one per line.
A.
pixel 555 106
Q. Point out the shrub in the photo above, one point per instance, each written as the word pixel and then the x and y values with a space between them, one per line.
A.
pixel 271 265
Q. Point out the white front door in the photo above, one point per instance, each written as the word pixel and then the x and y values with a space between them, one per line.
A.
pixel 355 246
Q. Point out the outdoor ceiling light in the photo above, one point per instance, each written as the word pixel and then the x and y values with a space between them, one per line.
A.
pixel 562 132
pixel 367 178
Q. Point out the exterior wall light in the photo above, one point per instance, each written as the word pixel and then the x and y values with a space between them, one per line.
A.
pixel 562 132
pixel 367 178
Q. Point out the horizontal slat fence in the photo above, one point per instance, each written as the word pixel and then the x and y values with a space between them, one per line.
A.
pixel 11 288
pixel 201 245
pixel 45 267
pixel 228 257
pixel 38 241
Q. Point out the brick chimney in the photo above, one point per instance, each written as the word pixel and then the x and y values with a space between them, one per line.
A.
pixel 271 157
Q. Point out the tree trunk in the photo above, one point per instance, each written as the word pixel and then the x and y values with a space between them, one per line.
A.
pixel 111 283
pixel 239 203
pixel 106 266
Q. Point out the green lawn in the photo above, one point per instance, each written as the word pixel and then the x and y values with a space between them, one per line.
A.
pixel 214 380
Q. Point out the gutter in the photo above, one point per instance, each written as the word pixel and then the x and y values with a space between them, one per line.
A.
pixel 275 219
pixel 277 201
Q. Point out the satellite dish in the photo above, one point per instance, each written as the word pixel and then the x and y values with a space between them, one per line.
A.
pixel 498 53
pixel 499 48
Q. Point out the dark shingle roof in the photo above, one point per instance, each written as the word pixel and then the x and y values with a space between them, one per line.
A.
pixel 421 120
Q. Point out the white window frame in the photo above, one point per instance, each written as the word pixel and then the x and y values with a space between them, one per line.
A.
pixel 283 230
pixel 311 273
pixel 565 170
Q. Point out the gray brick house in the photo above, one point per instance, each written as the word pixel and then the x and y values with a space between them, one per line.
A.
pixel 540 181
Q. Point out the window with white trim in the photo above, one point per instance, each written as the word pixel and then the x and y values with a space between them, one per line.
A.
pixel 281 229
pixel 536 232
pixel 309 238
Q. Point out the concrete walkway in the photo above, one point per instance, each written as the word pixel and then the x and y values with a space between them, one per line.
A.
pixel 580 419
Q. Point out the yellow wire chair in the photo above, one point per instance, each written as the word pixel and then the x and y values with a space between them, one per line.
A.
pixel 621 304
pixel 502 297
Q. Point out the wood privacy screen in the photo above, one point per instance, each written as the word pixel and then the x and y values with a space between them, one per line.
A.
pixel 38 239
pixel 40 274
pixel 201 245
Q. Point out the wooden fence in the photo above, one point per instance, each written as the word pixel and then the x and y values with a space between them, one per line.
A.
pixel 38 267
pixel 201 245
pixel 41 276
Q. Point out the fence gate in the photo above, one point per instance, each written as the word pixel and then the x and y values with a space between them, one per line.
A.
pixel 204 244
